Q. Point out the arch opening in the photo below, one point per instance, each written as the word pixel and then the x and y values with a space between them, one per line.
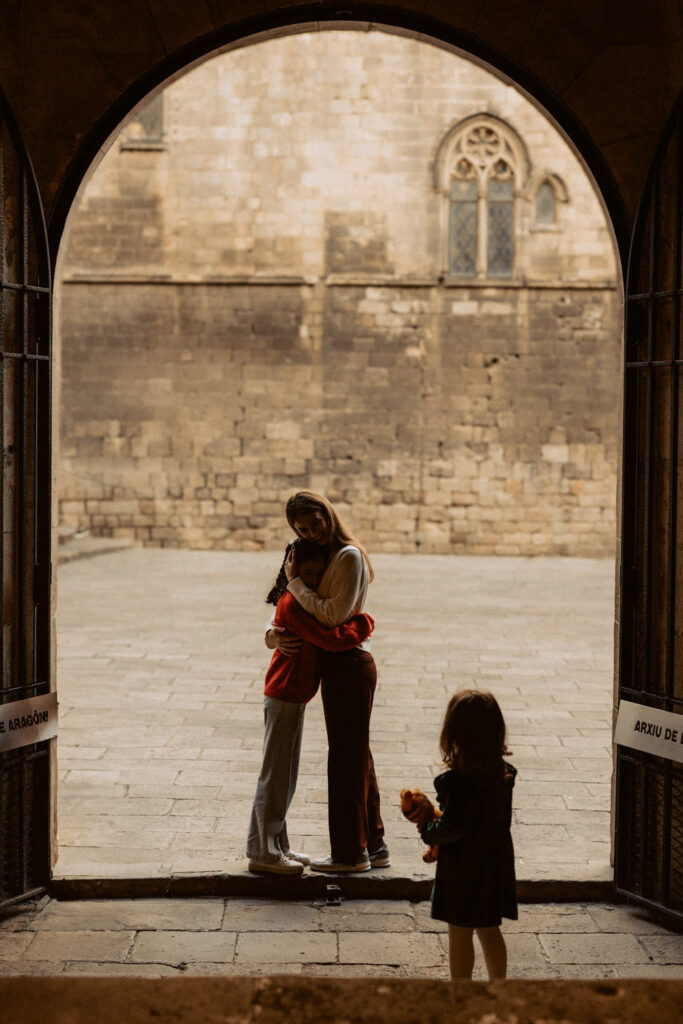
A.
pixel 408 323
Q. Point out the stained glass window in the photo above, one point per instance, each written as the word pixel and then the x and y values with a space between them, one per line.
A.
pixel 500 228
pixel 482 212
pixel 464 228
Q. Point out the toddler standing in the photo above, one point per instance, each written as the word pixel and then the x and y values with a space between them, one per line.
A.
pixel 475 884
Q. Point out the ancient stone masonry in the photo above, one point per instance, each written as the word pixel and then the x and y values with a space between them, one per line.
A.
pixel 266 301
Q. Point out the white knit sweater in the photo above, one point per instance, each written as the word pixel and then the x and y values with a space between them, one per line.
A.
pixel 342 589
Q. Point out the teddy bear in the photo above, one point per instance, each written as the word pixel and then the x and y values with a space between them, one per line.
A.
pixel 418 808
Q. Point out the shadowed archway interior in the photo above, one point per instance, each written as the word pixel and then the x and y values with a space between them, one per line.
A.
pixel 618 76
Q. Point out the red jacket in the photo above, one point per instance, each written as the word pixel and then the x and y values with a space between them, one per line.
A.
pixel 296 679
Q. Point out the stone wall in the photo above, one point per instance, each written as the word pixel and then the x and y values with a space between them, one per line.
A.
pixel 471 438
pixel 261 305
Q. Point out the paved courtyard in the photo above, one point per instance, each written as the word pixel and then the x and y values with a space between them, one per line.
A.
pixel 160 676
pixel 360 938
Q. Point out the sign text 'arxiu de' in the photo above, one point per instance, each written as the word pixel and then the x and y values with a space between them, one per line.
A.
pixel 23 722
pixel 650 730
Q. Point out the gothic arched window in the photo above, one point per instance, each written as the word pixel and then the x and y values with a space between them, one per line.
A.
pixel 480 168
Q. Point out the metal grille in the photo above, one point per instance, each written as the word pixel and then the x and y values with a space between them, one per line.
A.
pixel 677 840
pixel 24 509
pixel 649 844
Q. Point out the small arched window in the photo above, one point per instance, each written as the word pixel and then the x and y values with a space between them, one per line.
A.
pixel 546 204
pixel 479 174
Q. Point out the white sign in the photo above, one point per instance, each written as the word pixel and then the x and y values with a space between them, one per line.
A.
pixel 655 732
pixel 28 721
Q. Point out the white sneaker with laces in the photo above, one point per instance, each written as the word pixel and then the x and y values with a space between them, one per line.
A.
pixel 381 858
pixel 278 866
pixel 337 867
pixel 302 858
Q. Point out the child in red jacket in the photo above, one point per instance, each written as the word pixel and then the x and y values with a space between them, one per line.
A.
pixel 291 681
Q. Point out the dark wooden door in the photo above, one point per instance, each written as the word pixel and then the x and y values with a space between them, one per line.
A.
pixel 649 810
pixel 25 302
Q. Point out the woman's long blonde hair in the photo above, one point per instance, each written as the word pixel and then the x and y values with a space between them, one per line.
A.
pixel 306 502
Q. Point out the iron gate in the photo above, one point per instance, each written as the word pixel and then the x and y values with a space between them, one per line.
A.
pixel 24 510
pixel 649 811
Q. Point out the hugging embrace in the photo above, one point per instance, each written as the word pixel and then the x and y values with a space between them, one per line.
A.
pixel 319 636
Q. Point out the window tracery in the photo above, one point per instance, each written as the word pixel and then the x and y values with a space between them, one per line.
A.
pixel 483 172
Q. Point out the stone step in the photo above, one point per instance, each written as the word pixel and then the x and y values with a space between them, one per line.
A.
pixel 375 885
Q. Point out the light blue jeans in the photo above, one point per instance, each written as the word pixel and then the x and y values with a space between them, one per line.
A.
pixel 284 724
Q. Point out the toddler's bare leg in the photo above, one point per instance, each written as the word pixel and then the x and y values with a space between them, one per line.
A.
pixel 460 951
pixel 495 952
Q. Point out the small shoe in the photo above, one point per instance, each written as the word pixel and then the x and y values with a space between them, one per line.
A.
pixel 381 858
pixel 338 867
pixel 278 866
pixel 301 858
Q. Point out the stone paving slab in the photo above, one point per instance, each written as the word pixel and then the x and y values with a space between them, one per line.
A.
pixel 160 678
pixel 359 938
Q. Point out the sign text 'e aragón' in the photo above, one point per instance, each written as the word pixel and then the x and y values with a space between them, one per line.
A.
pixel 23 722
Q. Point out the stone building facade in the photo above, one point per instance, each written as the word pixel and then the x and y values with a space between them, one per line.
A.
pixel 351 262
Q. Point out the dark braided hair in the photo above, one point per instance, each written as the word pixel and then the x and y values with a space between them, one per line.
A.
pixel 306 551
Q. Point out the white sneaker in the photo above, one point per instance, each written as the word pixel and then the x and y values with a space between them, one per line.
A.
pixel 338 867
pixel 302 858
pixel 380 858
pixel 278 866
